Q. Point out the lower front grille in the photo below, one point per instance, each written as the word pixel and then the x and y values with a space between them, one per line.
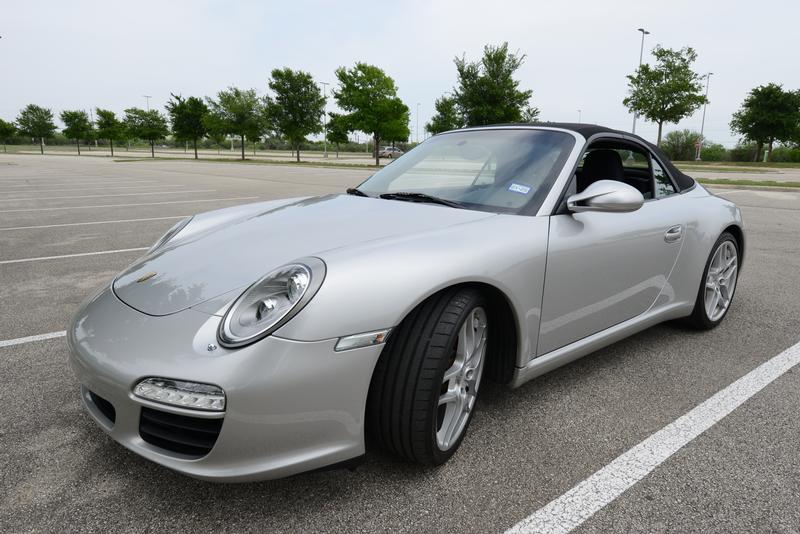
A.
pixel 193 436
pixel 105 407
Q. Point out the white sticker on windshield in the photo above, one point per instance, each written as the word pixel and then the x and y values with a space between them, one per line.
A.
pixel 519 188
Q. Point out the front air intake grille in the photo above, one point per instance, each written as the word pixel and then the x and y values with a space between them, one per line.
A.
pixel 105 407
pixel 193 436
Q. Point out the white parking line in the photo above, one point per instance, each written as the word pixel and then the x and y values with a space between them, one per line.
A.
pixel 90 223
pixel 104 188
pixel 66 181
pixel 42 258
pixel 571 509
pixel 29 339
pixel 127 205
pixel 111 195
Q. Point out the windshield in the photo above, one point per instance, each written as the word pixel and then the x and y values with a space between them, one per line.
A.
pixel 501 170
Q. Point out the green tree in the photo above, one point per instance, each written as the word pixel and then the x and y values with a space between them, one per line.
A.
pixel 36 122
pixel 768 114
pixel 76 126
pixel 369 96
pixel 681 145
pixel 109 127
pixel 487 92
pixel 297 106
pixel 397 129
pixel 149 125
pixel 715 152
pixel 188 119
pixel 668 91
pixel 237 112
pixel 7 131
pixel 215 129
pixel 337 130
pixel 446 118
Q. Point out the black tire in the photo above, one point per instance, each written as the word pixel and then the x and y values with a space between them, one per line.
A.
pixel 699 318
pixel 402 406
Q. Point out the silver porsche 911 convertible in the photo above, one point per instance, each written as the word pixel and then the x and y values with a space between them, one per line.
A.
pixel 268 339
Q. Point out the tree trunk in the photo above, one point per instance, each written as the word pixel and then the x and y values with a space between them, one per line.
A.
pixel 759 146
pixel 111 142
pixel 337 150
pixel 375 149
pixel 41 145
pixel 658 142
pixel 78 144
pixel 297 152
pixel 242 146
pixel 195 148
pixel 769 150
pixel 5 151
pixel 153 149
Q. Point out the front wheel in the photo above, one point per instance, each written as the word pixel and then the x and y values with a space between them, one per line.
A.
pixel 426 382
pixel 717 285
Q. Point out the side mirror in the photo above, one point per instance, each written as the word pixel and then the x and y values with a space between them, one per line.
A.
pixel 606 195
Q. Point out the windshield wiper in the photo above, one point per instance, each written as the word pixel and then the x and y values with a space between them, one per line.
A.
pixel 421 197
pixel 356 192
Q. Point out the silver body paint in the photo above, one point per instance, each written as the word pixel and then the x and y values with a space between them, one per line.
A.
pixel 575 282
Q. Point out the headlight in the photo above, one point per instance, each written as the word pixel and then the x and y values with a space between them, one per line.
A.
pixel 172 232
pixel 269 303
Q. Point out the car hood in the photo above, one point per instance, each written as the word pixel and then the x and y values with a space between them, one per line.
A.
pixel 250 241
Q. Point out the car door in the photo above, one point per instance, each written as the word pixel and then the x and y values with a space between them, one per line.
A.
pixel 606 268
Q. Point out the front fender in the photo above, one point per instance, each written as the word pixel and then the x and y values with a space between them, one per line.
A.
pixel 374 285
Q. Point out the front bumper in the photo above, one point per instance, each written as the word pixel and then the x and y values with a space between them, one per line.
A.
pixel 291 406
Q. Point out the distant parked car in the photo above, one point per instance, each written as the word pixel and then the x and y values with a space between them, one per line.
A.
pixel 390 152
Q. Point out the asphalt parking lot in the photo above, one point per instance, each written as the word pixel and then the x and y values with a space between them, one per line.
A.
pixel 68 224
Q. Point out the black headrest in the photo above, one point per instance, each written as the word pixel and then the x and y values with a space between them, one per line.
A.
pixel 600 165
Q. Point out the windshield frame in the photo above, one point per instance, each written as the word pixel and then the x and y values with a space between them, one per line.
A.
pixel 534 206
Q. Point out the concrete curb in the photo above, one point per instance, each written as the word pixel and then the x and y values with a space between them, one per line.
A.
pixel 753 187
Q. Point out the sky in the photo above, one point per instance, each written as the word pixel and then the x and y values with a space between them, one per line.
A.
pixel 87 54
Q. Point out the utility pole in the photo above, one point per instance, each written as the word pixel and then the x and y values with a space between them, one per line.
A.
pixel 325 117
pixel 641 56
pixel 703 122
pixel 147 100
pixel 579 116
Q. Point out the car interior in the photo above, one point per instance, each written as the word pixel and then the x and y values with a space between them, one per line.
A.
pixel 615 160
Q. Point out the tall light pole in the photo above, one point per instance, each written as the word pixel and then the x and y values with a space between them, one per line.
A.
pixel 579 116
pixel 325 117
pixel 147 100
pixel 417 122
pixel 641 56
pixel 703 122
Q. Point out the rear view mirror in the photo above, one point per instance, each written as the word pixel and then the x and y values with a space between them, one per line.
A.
pixel 608 196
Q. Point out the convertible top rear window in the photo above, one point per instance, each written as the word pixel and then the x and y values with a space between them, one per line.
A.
pixel 498 170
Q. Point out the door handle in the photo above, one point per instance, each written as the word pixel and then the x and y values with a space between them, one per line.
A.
pixel 673 234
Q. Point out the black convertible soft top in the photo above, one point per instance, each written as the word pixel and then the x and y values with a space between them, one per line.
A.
pixel 682 180
pixel 588 130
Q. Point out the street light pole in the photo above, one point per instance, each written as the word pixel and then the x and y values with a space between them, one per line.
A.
pixel 579 116
pixel 417 123
pixel 147 99
pixel 641 56
pixel 325 118
pixel 703 122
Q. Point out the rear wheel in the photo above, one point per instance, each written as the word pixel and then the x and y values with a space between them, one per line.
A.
pixel 426 382
pixel 717 285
